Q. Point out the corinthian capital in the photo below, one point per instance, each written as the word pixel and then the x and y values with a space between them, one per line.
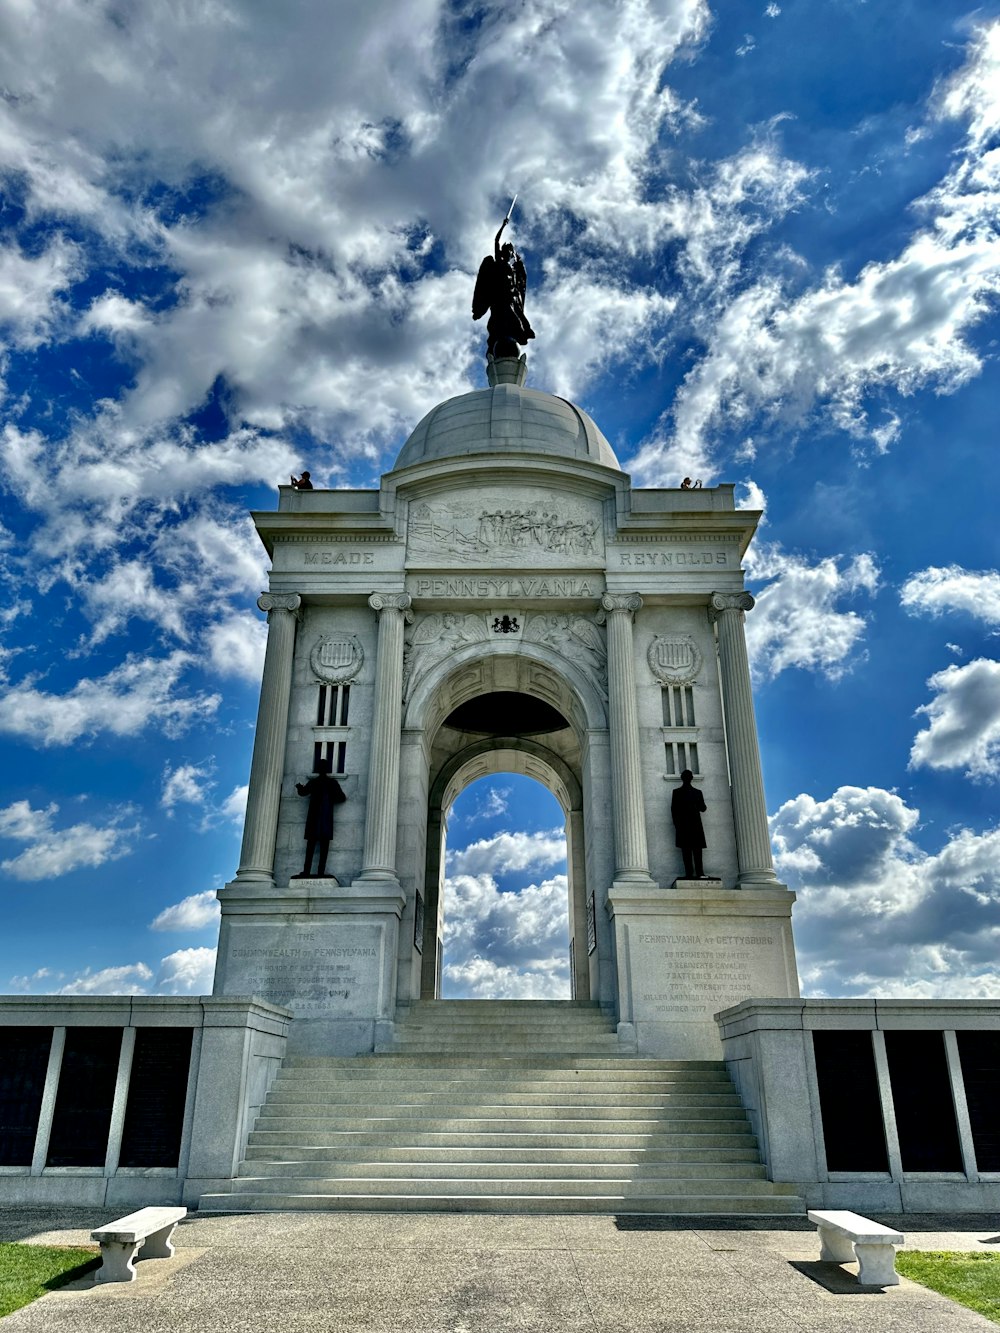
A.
pixel 626 603
pixel 392 601
pixel 279 601
pixel 721 602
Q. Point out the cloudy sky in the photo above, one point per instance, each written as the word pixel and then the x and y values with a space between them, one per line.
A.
pixel 238 239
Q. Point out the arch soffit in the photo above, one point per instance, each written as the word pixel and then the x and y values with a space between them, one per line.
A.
pixel 507 754
pixel 480 668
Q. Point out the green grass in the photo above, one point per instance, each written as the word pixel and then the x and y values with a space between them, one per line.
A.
pixel 29 1271
pixel 970 1279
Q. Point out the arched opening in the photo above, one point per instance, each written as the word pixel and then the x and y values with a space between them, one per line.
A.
pixel 491 710
pixel 505 913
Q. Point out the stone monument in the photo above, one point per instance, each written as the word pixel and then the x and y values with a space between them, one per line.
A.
pixel 505 570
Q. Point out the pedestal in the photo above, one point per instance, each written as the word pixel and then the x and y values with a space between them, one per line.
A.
pixel 325 951
pixel 687 952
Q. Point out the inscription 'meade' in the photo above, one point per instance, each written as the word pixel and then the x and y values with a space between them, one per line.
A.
pixel 340 557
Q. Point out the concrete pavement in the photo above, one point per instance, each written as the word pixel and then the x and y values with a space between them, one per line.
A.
pixel 371 1273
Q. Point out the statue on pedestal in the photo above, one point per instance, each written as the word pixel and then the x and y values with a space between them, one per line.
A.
pixel 686 807
pixel 500 288
pixel 324 792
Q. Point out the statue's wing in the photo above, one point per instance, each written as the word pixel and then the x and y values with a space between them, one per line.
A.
pixel 520 277
pixel 482 297
pixel 535 630
pixel 474 629
pixel 588 634
pixel 428 631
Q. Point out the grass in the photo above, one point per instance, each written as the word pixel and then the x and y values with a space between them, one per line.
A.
pixel 29 1271
pixel 972 1280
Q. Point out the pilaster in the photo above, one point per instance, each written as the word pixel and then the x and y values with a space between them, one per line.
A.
pixel 631 852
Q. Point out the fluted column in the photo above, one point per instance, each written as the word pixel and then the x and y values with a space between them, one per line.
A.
pixel 631 854
pixel 753 843
pixel 381 817
pixel 268 764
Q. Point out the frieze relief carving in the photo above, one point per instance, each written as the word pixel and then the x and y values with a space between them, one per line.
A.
pixel 436 636
pixel 576 638
pixel 548 529
pixel 674 661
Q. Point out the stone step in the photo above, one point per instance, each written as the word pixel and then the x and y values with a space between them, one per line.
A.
pixel 662 1204
pixel 384 1071
pixel 498 1113
pixel 523 1119
pixel 693 1159
pixel 554 1135
pixel 516 1169
pixel 525 1061
pixel 472 1185
pixel 298 1089
pixel 308 1103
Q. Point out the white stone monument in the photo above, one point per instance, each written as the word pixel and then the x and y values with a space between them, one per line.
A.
pixel 507 601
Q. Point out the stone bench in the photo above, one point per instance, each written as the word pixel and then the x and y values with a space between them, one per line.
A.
pixel 150 1228
pixel 847 1236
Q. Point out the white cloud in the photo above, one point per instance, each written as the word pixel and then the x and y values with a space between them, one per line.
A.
pixel 52 851
pixel 130 979
pixel 187 783
pixel 234 807
pixel 134 697
pixel 517 943
pixel 876 914
pixel 30 289
pixel 799 620
pixel 964 730
pixel 509 851
pixel 236 645
pixel 195 912
pixel 187 972
pixel 28 983
pixel 951 588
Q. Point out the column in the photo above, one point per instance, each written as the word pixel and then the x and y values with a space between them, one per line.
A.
pixel 267 767
pixel 393 611
pixel 631 855
pixel 753 842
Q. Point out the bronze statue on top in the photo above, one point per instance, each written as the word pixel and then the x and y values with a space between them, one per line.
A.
pixel 500 288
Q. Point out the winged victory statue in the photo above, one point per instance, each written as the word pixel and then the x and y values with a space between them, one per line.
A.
pixel 500 287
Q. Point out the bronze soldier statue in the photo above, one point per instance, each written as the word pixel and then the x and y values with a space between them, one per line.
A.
pixel 686 806
pixel 324 792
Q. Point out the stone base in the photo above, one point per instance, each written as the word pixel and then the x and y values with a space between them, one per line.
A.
pixel 326 951
pixel 682 953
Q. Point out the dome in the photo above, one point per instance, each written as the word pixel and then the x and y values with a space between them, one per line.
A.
pixel 506 419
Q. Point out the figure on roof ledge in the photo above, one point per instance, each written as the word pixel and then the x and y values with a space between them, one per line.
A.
pixel 500 287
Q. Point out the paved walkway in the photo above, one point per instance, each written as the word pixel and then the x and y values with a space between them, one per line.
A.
pixel 357 1273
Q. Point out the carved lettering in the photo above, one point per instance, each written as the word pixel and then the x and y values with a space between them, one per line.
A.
pixel 334 557
pixel 505 589
pixel 670 559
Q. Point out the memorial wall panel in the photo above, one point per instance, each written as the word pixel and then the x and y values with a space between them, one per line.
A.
pixel 86 1094
pixel 24 1058
pixel 850 1106
pixel 979 1053
pixel 921 1094
pixel 157 1091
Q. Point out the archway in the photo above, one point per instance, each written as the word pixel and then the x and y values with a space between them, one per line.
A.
pixel 493 708
pixel 505 916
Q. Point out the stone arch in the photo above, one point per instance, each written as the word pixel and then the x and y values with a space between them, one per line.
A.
pixel 531 758
pixel 526 668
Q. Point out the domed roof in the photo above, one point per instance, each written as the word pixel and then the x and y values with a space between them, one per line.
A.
pixel 506 419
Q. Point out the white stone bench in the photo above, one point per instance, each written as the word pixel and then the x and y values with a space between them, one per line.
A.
pixel 847 1236
pixel 150 1228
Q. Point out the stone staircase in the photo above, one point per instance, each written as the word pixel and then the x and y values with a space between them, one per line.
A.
pixel 503 1107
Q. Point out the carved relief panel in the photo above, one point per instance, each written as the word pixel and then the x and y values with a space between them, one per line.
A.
pixel 509 528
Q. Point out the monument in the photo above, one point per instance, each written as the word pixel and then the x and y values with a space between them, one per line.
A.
pixel 507 600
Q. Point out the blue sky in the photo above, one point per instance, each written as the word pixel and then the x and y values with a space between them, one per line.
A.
pixel 238 240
